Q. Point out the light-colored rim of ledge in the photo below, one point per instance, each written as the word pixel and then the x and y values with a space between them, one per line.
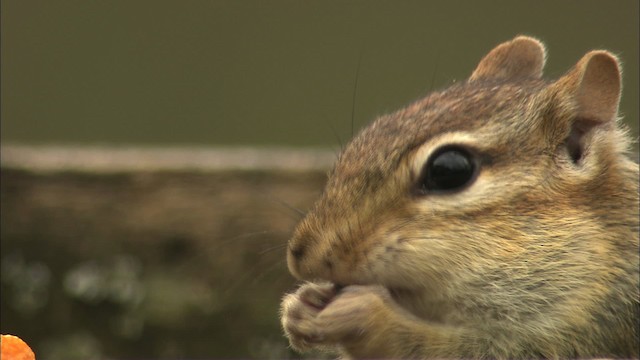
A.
pixel 107 159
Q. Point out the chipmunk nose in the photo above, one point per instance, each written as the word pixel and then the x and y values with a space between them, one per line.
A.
pixel 312 257
pixel 295 256
pixel 297 251
pixel 304 256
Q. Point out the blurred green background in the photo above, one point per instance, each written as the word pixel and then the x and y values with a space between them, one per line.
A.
pixel 276 72
pixel 191 265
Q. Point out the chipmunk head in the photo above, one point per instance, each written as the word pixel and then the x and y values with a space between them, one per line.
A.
pixel 472 180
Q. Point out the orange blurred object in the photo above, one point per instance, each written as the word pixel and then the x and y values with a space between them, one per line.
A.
pixel 13 348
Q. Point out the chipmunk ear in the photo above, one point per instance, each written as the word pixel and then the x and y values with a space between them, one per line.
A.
pixel 520 58
pixel 595 85
pixel 586 97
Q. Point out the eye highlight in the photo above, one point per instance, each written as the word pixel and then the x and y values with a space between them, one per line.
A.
pixel 449 169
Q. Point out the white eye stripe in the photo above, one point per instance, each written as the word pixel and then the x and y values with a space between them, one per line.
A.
pixel 479 194
pixel 489 180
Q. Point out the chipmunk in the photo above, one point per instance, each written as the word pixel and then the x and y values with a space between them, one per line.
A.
pixel 495 219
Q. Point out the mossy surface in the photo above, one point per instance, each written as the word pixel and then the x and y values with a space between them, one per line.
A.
pixel 149 264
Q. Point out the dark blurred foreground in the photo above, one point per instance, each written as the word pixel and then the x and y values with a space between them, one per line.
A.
pixel 148 264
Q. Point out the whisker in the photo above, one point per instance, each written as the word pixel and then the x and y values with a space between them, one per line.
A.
pixel 300 214
pixel 435 72
pixel 248 236
pixel 242 281
pixel 267 271
pixel 272 248
pixel 355 93
pixel 204 252
pixel 336 135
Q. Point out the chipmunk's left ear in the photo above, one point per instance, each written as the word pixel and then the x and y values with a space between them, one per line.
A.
pixel 583 99
pixel 521 58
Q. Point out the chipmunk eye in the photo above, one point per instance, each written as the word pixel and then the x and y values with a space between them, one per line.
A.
pixel 448 169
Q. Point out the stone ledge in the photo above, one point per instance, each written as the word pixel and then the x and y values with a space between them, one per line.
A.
pixel 203 245
pixel 110 159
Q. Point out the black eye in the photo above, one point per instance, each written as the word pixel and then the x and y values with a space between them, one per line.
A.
pixel 448 169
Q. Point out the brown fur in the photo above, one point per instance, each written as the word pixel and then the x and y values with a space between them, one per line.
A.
pixel 536 258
